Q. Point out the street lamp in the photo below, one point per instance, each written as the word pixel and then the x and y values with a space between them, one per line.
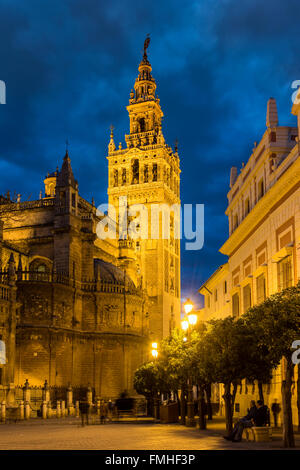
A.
pixel 187 324
pixel 192 319
pixel 154 351
pixel 188 306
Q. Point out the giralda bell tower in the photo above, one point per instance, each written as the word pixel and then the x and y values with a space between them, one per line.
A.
pixel 147 172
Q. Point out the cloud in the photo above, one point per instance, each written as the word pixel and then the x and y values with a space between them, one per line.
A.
pixel 69 67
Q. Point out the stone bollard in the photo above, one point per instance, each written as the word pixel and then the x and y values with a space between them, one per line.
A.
pixel 21 410
pixel 58 409
pixel 27 410
pixel 63 409
pixel 49 410
pixel 70 411
pixel 3 411
pixel 45 410
pixel 70 405
pixel 77 409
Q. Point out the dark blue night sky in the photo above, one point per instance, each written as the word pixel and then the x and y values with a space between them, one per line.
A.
pixel 69 66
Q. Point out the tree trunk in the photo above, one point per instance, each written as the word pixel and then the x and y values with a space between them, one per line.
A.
pixel 208 401
pixel 156 407
pixel 287 418
pixel 235 386
pixel 150 407
pixel 260 390
pixel 201 408
pixel 298 396
pixel 228 407
pixel 182 406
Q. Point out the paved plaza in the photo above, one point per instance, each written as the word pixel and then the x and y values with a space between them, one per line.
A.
pixel 67 434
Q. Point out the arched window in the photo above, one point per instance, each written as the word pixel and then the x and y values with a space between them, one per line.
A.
pixel 261 189
pixel 235 305
pixel 235 221
pixel 142 125
pixel 247 206
pixel 41 268
pixel 124 177
pixel 2 353
pixel 154 172
pixel 62 198
pixel 146 174
pixel 116 178
pixel 135 172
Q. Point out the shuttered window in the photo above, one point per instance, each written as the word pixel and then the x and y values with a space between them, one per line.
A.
pixel 247 297
pixel 284 270
pixel 261 288
pixel 235 305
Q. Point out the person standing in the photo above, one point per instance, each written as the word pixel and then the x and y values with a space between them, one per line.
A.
pixel 110 410
pixel 103 412
pixel 275 408
pixel 84 411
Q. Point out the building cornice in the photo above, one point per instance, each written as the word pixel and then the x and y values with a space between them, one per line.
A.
pixel 219 274
pixel 288 181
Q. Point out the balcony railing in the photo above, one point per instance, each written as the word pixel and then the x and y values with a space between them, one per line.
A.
pixel 87 285
pixel 16 206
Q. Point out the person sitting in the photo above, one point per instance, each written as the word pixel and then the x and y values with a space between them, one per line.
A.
pixel 245 422
pixel 262 415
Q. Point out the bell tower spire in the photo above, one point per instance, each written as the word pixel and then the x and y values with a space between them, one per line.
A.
pixel 144 110
pixel 148 172
pixel 145 86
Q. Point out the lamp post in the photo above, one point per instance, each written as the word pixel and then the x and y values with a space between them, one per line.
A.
pixel 154 353
pixel 187 324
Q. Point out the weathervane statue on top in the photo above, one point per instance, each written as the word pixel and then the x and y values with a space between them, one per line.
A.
pixel 146 45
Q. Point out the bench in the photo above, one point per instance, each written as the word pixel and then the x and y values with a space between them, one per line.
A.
pixel 258 434
pixel 125 407
pixel 126 413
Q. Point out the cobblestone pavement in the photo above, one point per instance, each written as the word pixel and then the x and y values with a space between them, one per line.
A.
pixel 67 434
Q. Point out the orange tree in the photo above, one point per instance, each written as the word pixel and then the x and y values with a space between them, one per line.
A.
pixel 150 379
pixel 183 359
pixel 175 355
pixel 276 324
pixel 226 357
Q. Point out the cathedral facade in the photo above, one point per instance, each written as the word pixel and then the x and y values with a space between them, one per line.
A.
pixel 77 309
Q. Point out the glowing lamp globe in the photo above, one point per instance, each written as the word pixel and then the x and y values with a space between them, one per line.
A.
pixel 184 324
pixel 188 306
pixel 192 318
